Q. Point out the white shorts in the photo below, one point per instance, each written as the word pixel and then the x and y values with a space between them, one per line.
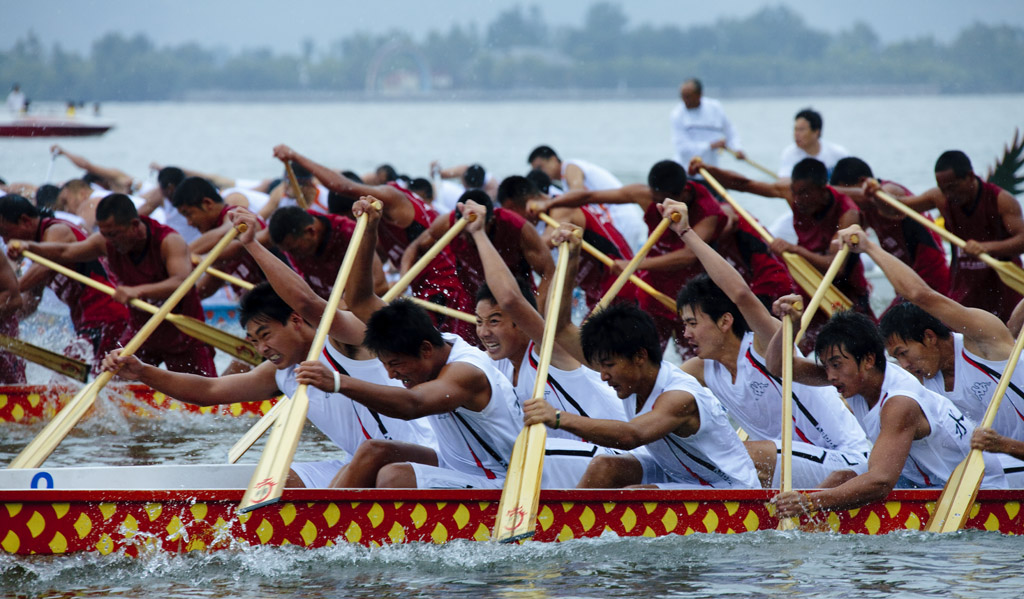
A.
pixel 565 461
pixel 1013 470
pixel 812 464
pixel 318 475
pixel 436 477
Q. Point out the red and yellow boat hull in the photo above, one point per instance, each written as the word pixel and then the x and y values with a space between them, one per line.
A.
pixel 136 522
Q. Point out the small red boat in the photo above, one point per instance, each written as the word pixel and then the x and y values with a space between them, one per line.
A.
pixel 38 126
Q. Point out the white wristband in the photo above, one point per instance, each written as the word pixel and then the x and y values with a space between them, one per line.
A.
pixel 337 381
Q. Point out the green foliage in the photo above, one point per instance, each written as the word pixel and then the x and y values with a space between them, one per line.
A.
pixel 518 50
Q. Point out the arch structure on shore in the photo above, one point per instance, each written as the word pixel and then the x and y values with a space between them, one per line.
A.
pixel 390 50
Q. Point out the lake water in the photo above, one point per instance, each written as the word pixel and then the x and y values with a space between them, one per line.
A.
pixel 899 137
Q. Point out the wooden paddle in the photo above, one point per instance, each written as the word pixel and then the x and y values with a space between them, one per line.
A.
pixel 786 474
pixel 609 262
pixel 50 437
pixel 631 267
pixel 954 505
pixel 71 367
pixel 236 346
pixel 517 510
pixel 826 281
pixel 399 287
pixel 300 198
pixel 445 310
pixel 268 480
pixel 256 431
pixel 760 167
pixel 1008 272
pixel 803 273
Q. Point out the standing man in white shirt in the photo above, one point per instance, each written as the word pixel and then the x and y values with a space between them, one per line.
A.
pixel 700 127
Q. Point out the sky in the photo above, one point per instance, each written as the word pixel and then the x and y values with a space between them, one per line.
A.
pixel 235 24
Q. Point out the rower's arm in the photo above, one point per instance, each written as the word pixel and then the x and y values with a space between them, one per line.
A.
pixel 984 333
pixel 38 275
pixel 458 385
pixel 627 194
pixel 733 180
pixel 424 242
pixel 1012 246
pixel 932 198
pixel 359 295
pixel 257 384
pixel 10 297
pixel 673 411
pixel 682 257
pixel 900 424
pixel 111 175
pixel 805 371
pixel 174 253
pixel 539 259
pixel 86 250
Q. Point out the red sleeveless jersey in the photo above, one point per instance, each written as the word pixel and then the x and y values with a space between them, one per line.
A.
pixel 506 235
pixel 593 277
pixel 89 308
pixel 815 232
pixel 972 282
pixel 671 282
pixel 244 267
pixel 147 266
pixel 321 269
pixel 747 252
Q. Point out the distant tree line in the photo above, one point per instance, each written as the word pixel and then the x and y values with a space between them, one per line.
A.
pixel 518 50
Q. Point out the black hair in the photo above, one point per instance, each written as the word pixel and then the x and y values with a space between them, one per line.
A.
pixel 170 175
pixel 701 292
pixel 541 152
pixel 116 205
pixel 480 197
pixel 849 171
pixel 46 196
pixel 956 161
pixel 91 178
pixel 191 191
pixel 852 333
pixel 908 322
pixel 484 293
pixel 273 184
pixel 352 175
pixel 812 117
pixel 339 204
pixel 518 190
pixel 697 85
pixel 620 330
pixel 422 188
pixel 474 177
pixel 14 206
pixel 400 327
pixel 290 220
pixel 810 169
pixel 389 172
pixel 263 301
pixel 301 173
pixel 668 177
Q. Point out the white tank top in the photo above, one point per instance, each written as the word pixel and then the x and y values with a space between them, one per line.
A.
pixel 416 431
pixel 174 220
pixel 579 391
pixel 974 384
pixel 713 456
pixel 932 459
pixel 628 218
pixel 478 443
pixel 755 402
pixel 257 199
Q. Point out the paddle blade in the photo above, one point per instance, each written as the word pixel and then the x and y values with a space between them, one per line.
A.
pixel 954 505
pixel 36 452
pixel 271 474
pixel 508 519
pixel 71 367
pixel 253 434
pixel 226 342
pixel 517 518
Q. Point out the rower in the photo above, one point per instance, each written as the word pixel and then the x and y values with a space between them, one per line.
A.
pixel 679 422
pixel 729 328
pixel 95 316
pixel 405 217
pixel 314 193
pixel 112 179
pixel 149 261
pixel 12 367
pixel 905 238
pixel 517 193
pixel 516 240
pixel 954 350
pixel 581 175
pixel 470 177
pixel 204 209
pixel 468 402
pixel 988 218
pixel 919 436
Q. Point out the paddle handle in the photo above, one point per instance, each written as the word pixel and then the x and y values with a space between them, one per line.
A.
pixel 740 210
pixel 445 310
pixel 620 282
pixel 760 167
pixel 300 198
pixel 399 287
pixel 823 287
pixel 609 262
pixel 256 431
pixel 230 278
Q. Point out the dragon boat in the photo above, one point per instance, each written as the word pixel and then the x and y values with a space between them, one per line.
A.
pixel 138 510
